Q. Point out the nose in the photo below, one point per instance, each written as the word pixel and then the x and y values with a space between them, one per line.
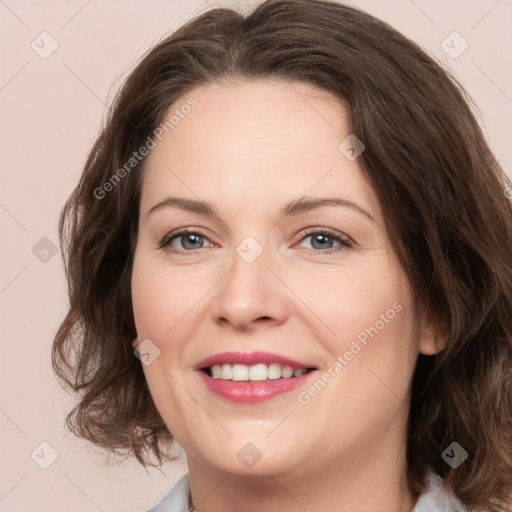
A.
pixel 250 294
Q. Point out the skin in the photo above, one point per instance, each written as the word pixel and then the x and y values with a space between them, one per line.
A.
pixel 249 148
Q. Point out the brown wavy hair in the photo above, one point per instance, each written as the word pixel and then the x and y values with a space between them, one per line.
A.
pixel 442 192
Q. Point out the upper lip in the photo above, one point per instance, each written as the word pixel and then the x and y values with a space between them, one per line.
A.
pixel 249 359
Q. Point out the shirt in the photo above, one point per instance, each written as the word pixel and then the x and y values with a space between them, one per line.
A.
pixel 435 498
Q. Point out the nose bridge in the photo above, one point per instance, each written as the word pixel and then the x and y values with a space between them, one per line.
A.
pixel 249 291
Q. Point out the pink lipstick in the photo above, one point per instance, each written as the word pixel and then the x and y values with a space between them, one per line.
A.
pixel 252 377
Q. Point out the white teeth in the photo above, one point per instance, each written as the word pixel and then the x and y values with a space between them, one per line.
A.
pixel 287 372
pixel 256 372
pixel 226 372
pixel 240 372
pixel 274 371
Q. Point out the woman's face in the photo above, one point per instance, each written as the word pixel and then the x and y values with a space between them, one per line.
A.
pixel 262 278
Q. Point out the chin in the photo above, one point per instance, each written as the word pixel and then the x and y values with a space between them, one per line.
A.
pixel 252 456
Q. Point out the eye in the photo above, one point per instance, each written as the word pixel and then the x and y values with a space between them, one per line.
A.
pixel 322 240
pixel 190 241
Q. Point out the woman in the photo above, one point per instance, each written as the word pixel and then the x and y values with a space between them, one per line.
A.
pixel 295 221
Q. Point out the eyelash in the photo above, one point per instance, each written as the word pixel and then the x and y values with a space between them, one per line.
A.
pixel 345 243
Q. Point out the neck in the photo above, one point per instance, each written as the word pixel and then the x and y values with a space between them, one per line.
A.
pixel 367 479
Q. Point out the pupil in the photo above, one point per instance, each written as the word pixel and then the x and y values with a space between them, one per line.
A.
pixel 320 238
pixel 189 238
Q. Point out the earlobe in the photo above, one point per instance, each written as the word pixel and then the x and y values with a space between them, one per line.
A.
pixel 429 346
pixel 431 341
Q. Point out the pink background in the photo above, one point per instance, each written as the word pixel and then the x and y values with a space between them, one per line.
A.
pixel 51 110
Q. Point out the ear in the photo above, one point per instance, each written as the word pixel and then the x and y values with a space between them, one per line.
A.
pixel 135 343
pixel 431 339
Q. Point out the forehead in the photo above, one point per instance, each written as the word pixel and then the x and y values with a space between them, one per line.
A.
pixel 254 143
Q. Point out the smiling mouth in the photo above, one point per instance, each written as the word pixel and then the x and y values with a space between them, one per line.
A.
pixel 254 373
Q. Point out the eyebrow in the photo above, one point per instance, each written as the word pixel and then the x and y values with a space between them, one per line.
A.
pixel 295 207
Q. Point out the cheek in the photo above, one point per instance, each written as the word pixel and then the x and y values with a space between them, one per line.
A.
pixel 368 318
pixel 161 298
pixel 160 305
pixel 347 302
pixel 373 318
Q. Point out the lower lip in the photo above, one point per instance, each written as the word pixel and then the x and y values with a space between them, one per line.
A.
pixel 252 392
